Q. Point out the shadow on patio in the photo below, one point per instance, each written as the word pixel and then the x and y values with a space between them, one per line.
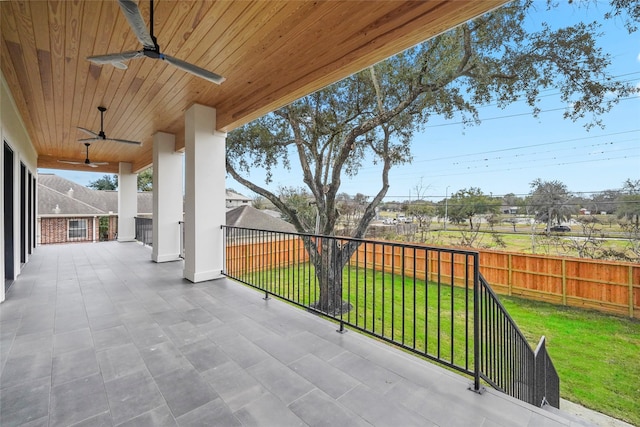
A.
pixel 97 334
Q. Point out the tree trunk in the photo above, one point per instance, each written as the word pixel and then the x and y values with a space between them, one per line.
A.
pixel 329 258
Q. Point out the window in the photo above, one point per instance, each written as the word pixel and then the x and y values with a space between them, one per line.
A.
pixel 77 229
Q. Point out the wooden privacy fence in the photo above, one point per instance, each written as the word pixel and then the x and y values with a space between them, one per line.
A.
pixel 610 287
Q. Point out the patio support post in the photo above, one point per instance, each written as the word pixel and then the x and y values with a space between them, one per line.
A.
pixel 167 198
pixel 127 203
pixel 205 211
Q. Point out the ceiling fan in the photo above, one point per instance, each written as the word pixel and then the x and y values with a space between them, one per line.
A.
pixel 86 160
pixel 150 46
pixel 100 136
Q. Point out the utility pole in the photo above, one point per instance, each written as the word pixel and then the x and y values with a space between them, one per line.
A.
pixel 446 210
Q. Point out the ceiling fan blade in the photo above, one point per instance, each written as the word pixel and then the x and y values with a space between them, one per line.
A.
pixel 116 59
pixel 71 162
pixel 96 164
pixel 132 13
pixel 195 70
pixel 90 139
pixel 126 141
pixel 87 131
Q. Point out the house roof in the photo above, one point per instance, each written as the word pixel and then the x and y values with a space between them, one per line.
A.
pixel 232 195
pixel 59 196
pixel 250 217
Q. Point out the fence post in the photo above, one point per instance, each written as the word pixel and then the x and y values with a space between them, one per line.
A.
pixel 476 325
pixel 564 282
pixel 510 273
pixel 631 299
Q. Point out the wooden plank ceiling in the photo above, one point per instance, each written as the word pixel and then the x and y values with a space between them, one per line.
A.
pixel 271 53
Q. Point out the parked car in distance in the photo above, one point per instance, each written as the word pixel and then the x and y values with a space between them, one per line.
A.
pixel 560 228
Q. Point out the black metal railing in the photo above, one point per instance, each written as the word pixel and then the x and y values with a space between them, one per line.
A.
pixel 506 360
pixel 430 301
pixel 181 226
pixel 144 230
pixel 547 383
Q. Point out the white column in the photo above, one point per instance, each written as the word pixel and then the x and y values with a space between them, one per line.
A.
pixel 167 198
pixel 127 203
pixel 205 194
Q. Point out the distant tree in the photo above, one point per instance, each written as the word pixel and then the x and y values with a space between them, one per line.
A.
pixel 467 203
pixel 511 200
pixel 605 201
pixel 629 202
pixel 145 180
pixel 374 114
pixel 351 209
pixel 551 202
pixel 301 204
pixel 493 219
pixel 590 243
pixel 107 182
pixel 110 182
pixel 258 202
pixel 632 234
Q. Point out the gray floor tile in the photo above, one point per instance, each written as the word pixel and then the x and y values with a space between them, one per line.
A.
pixel 104 321
pixel 35 325
pixel 286 350
pixel 327 378
pixel 149 335
pixel 132 395
pixel 214 413
pixel 157 417
pixel 280 380
pixel 197 316
pixel 184 333
pixel 25 402
pixel 317 346
pixel 243 352
pixel 221 354
pixel 78 400
pixel 184 390
pixel 318 409
pixel 72 341
pixel 31 344
pixel 111 337
pixel 167 317
pixel 236 387
pixel 162 358
pixel 205 355
pixel 268 411
pixel 73 365
pixel 374 376
pixel 376 409
pixel 22 368
pixel 120 361
pixel 100 420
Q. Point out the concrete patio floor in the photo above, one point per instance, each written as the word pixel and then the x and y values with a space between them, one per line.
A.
pixel 98 335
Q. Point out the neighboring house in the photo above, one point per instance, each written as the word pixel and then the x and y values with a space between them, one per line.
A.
pixel 510 210
pixel 70 212
pixel 234 200
pixel 250 217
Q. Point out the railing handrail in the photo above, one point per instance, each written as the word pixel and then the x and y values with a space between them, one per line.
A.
pixel 505 312
pixel 361 240
pixel 144 230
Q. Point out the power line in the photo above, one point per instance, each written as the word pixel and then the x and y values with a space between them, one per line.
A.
pixel 510 116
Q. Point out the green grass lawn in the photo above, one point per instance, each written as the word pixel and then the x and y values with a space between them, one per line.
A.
pixel 597 356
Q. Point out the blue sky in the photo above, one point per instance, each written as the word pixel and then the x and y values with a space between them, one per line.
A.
pixel 511 148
